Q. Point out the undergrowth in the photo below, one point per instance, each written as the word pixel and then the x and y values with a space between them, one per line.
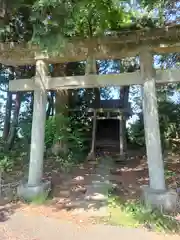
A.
pixel 40 199
pixel 134 214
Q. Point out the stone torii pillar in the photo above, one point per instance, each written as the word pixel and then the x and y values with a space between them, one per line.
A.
pixel 35 186
pixel 156 194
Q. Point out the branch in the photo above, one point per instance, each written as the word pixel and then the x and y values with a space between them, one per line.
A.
pixel 3 90
pixel 90 27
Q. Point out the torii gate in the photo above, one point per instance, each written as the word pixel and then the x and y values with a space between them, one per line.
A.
pixel 142 43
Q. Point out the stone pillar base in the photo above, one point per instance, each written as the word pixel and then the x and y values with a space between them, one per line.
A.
pixel 29 192
pixel 91 157
pixel 165 200
pixel 121 158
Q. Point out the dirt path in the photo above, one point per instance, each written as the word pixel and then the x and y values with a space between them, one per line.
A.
pixel 29 227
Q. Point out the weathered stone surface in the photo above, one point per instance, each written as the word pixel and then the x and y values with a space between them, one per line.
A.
pixel 79 189
pixel 64 193
pixel 29 192
pixel 151 122
pixel 116 171
pixel 38 126
pixel 121 159
pixel 165 200
pixel 91 157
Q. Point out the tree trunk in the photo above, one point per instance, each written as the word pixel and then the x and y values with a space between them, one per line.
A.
pixel 52 102
pixel 5 12
pixel 61 103
pixel 124 96
pixel 32 103
pixel 7 120
pixel 97 97
pixel 74 69
pixel 50 110
pixel 73 98
pixel 93 96
pixel 61 106
pixel 14 124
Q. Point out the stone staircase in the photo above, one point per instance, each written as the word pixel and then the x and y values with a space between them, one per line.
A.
pixel 91 199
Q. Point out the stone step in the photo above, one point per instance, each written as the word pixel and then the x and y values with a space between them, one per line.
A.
pixel 91 208
pixel 98 191
pixel 121 163
pixel 95 191
pixel 116 171
pixel 67 193
pixel 96 196
pixel 92 212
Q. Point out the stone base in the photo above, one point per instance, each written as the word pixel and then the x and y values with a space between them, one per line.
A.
pixel 91 157
pixel 165 200
pixel 29 193
pixel 121 158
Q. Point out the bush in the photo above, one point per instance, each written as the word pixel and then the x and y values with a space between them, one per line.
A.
pixel 70 132
pixel 169 117
pixel 134 214
pixel 136 133
pixel 6 163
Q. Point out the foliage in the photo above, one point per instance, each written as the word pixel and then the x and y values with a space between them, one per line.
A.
pixel 169 127
pixel 41 199
pixel 169 122
pixel 6 163
pixel 136 132
pixel 48 23
pixel 71 133
pixel 61 128
pixel 134 214
pixel 50 131
pixel 14 159
pixel 6 160
pixel 66 161
pixel 95 17
pixel 169 174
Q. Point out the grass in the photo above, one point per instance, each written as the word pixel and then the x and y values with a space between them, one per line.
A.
pixel 40 199
pixel 169 174
pixel 134 214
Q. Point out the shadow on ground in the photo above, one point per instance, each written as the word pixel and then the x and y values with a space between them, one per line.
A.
pixel 69 190
pixel 7 211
